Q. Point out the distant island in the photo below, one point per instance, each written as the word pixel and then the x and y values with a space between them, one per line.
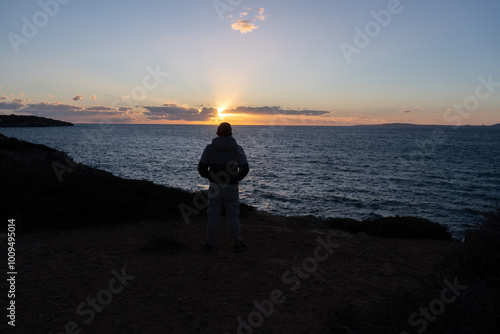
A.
pixel 29 121
pixel 408 125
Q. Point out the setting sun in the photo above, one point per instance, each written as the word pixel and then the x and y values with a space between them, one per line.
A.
pixel 220 110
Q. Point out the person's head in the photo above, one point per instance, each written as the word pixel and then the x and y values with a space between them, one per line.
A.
pixel 224 130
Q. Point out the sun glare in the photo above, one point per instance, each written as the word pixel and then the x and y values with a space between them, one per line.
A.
pixel 220 110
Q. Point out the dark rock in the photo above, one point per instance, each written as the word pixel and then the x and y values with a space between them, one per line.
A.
pixel 29 121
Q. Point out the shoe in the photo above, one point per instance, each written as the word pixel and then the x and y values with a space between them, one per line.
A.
pixel 207 248
pixel 240 247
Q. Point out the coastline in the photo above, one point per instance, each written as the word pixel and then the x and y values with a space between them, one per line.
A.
pixel 88 196
pixel 405 186
pixel 117 227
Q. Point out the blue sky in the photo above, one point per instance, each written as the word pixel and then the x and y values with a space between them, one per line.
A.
pixel 419 61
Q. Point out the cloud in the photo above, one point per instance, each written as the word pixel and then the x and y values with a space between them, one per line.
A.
pixel 15 104
pixel 50 108
pixel 173 112
pixel 57 109
pixel 274 111
pixel 246 26
pixel 62 111
pixel 73 113
pixel 101 110
pixel 406 110
pixel 261 16
pixel 93 97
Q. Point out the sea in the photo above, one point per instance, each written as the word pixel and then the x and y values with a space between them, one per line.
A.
pixel 450 175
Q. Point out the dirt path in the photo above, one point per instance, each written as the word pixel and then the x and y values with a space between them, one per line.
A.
pixel 140 285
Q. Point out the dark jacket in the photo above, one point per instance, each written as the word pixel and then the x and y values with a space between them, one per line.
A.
pixel 223 161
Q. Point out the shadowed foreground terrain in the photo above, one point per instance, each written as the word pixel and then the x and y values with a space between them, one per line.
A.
pixel 101 254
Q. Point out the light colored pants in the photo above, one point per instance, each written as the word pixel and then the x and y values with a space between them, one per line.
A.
pixel 230 197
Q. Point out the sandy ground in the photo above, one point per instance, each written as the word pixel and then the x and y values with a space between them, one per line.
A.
pixel 128 279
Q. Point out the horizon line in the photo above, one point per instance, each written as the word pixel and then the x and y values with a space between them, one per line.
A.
pixel 315 125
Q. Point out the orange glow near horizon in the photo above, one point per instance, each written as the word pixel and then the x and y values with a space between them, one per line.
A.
pixel 227 112
pixel 220 112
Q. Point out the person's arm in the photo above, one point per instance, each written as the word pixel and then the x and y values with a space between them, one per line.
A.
pixel 243 164
pixel 203 169
pixel 203 165
pixel 242 171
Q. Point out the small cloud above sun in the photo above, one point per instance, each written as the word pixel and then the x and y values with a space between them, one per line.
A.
pixel 246 26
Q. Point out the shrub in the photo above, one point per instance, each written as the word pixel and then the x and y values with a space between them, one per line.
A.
pixel 393 227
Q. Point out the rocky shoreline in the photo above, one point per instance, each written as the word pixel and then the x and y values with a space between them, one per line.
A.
pixel 103 254
pixel 37 176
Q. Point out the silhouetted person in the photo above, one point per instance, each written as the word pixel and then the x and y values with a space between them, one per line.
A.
pixel 224 164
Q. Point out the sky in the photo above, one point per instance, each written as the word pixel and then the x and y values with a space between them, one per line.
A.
pixel 324 62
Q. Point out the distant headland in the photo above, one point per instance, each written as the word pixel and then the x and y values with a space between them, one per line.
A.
pixel 29 121
pixel 411 125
